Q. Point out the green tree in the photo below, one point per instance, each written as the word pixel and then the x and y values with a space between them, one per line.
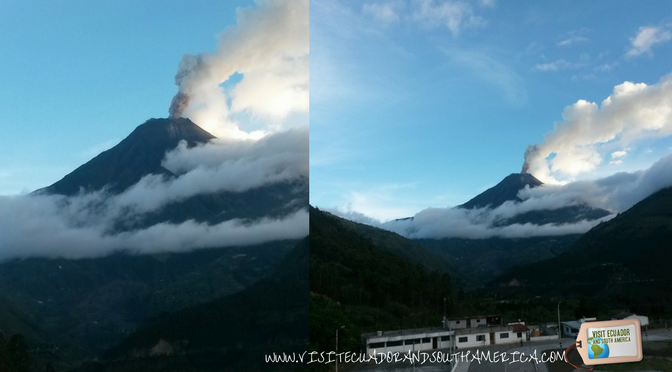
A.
pixel 5 361
pixel 17 349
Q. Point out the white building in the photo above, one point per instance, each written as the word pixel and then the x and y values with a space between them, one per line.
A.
pixel 407 339
pixel 464 333
pixel 494 335
pixel 643 319
pixel 571 328
pixel 474 321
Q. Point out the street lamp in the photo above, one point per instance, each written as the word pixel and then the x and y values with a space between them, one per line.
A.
pixel 337 346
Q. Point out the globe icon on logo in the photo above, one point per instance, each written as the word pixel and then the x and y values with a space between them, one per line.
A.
pixel 596 349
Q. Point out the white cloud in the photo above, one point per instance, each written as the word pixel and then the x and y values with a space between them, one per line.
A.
pixel 645 39
pixel 488 3
pixel 221 165
pixel 558 65
pixel 380 203
pixel 34 226
pixel 384 12
pixel 444 223
pixel 632 112
pixel 454 15
pixel 493 71
pixel 572 40
pixel 616 193
pixel 83 225
pixel 355 216
pixel 606 67
pixel 618 154
pixel 269 47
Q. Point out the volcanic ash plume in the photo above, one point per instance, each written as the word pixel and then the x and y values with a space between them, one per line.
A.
pixel 179 104
pixel 192 71
pixel 526 167
pixel 531 149
pixel 269 47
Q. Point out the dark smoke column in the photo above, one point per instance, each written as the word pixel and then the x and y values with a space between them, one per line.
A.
pixel 529 152
pixel 191 72
pixel 177 106
pixel 526 167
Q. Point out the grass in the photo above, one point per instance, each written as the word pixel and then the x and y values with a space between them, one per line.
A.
pixel 657 348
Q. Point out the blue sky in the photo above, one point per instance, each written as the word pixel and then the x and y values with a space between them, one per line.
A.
pixel 79 76
pixel 427 103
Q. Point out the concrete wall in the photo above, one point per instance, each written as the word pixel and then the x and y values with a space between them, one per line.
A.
pixel 544 338
pixel 472 340
pixel 462 323
pixel 512 337
pixel 410 341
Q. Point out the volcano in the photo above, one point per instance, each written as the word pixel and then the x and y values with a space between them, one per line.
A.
pixel 138 155
pixel 141 154
pixel 84 306
pixel 506 190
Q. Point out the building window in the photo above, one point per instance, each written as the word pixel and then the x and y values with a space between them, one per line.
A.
pixel 480 337
pixel 445 338
pixel 520 334
pixel 457 322
pixel 478 320
pixel 426 340
pixel 376 345
pixel 462 339
pixel 412 341
pixel 504 335
pixel 395 343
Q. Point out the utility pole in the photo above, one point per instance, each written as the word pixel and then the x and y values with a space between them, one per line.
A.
pixel 337 346
pixel 412 361
pixel 559 325
pixel 444 308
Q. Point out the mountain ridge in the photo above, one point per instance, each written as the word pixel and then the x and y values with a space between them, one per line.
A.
pixel 137 155
pixel 81 307
pixel 618 256
pixel 506 190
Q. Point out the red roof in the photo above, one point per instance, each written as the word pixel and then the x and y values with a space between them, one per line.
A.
pixel 519 328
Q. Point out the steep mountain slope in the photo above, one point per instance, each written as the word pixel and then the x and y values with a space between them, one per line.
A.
pixel 75 309
pixel 358 284
pixel 141 154
pixel 15 321
pixel 232 333
pixel 506 190
pixel 483 260
pixel 91 304
pixel 136 156
pixel 395 244
pixel 624 257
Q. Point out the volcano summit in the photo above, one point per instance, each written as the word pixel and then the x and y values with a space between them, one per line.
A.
pixel 139 155
pixel 506 190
